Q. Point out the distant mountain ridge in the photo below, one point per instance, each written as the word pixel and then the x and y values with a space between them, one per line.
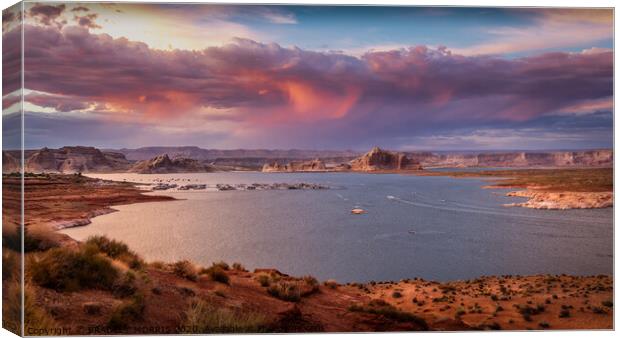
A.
pixel 193 159
pixel 197 153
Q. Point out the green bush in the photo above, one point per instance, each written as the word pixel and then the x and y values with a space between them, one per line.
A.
pixel 116 250
pixel 202 317
pixel 65 269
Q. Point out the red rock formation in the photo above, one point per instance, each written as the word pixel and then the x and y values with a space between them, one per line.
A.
pixel 162 164
pixel 378 159
pixel 295 166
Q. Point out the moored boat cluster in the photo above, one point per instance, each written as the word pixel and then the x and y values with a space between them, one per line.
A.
pixel 240 186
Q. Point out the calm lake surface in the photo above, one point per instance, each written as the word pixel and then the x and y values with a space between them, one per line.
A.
pixel 461 230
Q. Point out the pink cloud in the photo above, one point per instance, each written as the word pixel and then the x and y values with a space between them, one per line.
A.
pixel 269 83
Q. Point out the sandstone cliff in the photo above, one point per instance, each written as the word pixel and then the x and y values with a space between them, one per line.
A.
pixel 295 166
pixel 162 164
pixel 75 159
pixel 10 164
pixel 584 158
pixel 379 159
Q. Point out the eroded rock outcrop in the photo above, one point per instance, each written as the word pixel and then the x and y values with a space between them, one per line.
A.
pixel 75 159
pixel 162 164
pixel 563 200
pixel 378 159
pixel 295 166
pixel 10 164
pixel 583 158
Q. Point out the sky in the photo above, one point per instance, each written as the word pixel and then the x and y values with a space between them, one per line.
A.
pixel 115 75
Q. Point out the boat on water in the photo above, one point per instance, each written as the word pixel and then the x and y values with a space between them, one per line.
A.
pixel 358 211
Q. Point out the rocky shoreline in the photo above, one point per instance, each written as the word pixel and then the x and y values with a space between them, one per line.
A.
pixel 551 188
pixel 239 186
pixel 562 200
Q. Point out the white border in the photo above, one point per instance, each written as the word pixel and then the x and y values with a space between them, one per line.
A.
pixel 482 3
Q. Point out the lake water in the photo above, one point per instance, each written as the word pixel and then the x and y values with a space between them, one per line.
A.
pixel 461 230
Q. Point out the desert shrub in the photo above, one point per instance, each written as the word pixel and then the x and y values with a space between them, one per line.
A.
pixel 65 269
pixel 221 264
pixel 460 311
pixel 263 280
pixel 544 325
pixel 608 303
pixel 397 294
pixel 332 284
pixel 11 306
pixel 42 240
pixel 10 264
pixel 34 316
pixel 312 284
pixel 379 307
pixel 598 310
pixel 564 313
pixel 202 317
pixel 185 269
pixel 158 265
pixel 127 313
pixel 285 290
pixel 238 267
pixel 126 285
pixel 116 250
pixel 217 272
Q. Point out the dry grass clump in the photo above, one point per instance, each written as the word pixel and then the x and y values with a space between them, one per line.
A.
pixel 382 308
pixel 10 264
pixel 285 290
pixel 126 285
pixel 65 269
pixel 292 290
pixel 127 313
pixel 36 320
pixel 203 317
pixel 185 269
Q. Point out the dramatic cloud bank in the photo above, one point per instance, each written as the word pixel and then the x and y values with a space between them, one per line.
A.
pixel 292 82
pixel 251 89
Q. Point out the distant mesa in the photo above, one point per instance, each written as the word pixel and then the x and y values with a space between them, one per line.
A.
pixel 67 160
pixel 75 159
pixel 162 164
pixel 378 159
pixel 295 166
